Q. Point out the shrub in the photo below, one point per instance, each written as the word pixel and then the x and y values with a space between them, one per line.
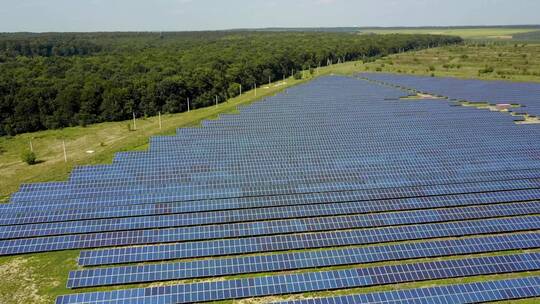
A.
pixel 431 68
pixel 29 157
pixel 486 70
pixel 298 75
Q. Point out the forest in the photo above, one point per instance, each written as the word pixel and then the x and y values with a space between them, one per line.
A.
pixel 55 80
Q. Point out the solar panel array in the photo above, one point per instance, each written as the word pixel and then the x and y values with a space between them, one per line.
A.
pixel 481 292
pixel 312 281
pixel 291 261
pixel 336 172
pixel 520 93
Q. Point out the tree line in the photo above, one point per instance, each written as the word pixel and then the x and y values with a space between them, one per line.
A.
pixel 50 81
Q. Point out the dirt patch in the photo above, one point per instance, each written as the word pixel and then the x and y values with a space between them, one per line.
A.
pixel 422 96
pixel 501 37
pixel 426 96
pixel 18 283
pixel 528 120
pixel 270 299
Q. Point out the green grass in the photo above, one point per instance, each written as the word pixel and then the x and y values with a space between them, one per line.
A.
pixel 497 33
pixel 508 61
pixel 39 278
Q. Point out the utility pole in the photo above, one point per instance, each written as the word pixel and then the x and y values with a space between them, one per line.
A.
pixel 269 80
pixel 240 89
pixel 134 123
pixel 159 115
pixel 188 104
pixel 216 101
pixel 64 148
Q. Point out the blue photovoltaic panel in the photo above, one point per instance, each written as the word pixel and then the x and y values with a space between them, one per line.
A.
pixel 54 207
pixel 182 234
pixel 311 281
pixel 289 261
pixel 479 292
pixel 334 162
pixel 247 215
pixel 293 143
pixel 525 94
pixel 303 241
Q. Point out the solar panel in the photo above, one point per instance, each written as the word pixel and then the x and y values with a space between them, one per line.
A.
pixel 246 215
pixel 167 235
pixel 362 199
pixel 282 199
pixel 338 164
pixel 298 260
pixel 304 241
pixel 525 94
pixel 478 292
pixel 175 190
pixel 312 281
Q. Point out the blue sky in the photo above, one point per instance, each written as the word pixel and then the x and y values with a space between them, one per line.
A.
pixel 171 15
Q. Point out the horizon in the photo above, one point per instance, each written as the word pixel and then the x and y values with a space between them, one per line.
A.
pixel 207 15
pixel 532 26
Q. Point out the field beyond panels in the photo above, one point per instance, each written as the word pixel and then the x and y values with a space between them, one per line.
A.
pixel 514 62
pixel 498 33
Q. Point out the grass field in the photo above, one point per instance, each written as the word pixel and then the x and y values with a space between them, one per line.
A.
pixel 506 61
pixel 39 278
pixel 498 33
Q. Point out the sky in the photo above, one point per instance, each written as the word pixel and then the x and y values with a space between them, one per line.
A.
pixel 185 15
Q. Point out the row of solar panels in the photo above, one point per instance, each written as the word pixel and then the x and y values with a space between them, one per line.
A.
pixel 322 239
pixel 254 183
pixel 175 191
pixel 479 292
pixel 331 164
pixel 179 217
pixel 299 260
pixel 306 106
pixel 171 233
pixel 20 210
pixel 525 94
pixel 312 281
